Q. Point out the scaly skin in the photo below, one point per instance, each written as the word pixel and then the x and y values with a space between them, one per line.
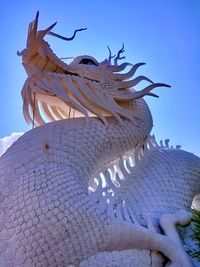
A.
pixel 46 216
pixel 156 190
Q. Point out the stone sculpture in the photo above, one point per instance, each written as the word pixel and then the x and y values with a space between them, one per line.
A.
pixel 92 187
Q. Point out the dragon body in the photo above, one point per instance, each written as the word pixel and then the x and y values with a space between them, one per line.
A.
pixel 90 187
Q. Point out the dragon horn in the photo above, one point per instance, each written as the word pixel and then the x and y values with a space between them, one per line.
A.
pixel 44 32
pixel 35 24
pixel 32 30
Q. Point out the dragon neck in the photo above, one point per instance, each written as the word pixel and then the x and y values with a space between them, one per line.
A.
pixel 84 147
pixel 102 145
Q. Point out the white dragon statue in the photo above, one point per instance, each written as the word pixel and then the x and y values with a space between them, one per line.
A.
pixel 91 187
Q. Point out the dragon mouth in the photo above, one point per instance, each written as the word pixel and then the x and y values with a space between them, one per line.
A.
pixel 85 87
pixel 77 75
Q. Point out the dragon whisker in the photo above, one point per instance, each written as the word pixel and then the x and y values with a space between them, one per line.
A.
pixel 66 38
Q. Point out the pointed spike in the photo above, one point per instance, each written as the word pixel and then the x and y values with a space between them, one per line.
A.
pixel 117 180
pixel 56 113
pixel 161 143
pixel 152 94
pixel 167 143
pixel 131 83
pixel 96 97
pixel 146 90
pixel 130 73
pixel 154 141
pixel 120 67
pixel 37 114
pixel 51 27
pixel 42 33
pixel 108 180
pixel 35 24
pixel 47 112
pixel 122 168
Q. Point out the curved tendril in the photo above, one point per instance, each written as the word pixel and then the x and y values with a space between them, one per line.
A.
pixel 131 83
pixel 120 67
pixel 129 74
pixel 65 38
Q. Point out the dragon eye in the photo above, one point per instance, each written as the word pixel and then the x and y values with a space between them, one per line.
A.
pixel 88 61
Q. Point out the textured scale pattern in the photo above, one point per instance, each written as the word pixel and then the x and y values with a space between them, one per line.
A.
pixel 150 166
pixel 163 195
pixel 158 171
pixel 44 189
pixel 44 203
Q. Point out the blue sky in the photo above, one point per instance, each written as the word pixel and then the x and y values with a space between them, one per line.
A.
pixel 164 34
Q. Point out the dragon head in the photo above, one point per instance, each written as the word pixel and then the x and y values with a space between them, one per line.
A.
pixel 86 86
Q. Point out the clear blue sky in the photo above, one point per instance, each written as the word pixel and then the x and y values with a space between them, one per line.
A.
pixel 163 33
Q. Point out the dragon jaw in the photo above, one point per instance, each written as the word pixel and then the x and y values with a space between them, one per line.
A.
pixel 89 87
